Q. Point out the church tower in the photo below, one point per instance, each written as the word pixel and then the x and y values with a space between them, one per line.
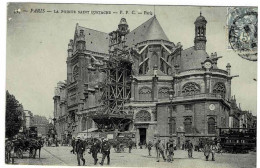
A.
pixel 200 33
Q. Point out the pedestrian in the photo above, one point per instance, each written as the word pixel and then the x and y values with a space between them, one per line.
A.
pixel 73 143
pixel 94 149
pixel 130 144
pixel 189 148
pixel 213 149
pixel 207 150
pixel 149 146
pixel 105 150
pixel 140 145
pixel 170 147
pixel 161 149
pixel 80 149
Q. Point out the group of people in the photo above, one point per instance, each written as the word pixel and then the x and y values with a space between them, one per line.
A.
pixel 103 146
pixel 167 151
pixel 164 151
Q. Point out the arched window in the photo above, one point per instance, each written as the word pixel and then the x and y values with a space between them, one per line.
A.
pixel 187 126
pixel 190 88
pixel 145 93
pixel 220 89
pixel 143 116
pixel 163 92
pixel 83 124
pixel 211 126
pixel 75 72
pixel 172 125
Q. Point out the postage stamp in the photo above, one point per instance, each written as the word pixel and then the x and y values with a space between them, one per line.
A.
pixel 242 31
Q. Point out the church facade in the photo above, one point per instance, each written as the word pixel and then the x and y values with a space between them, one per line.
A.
pixel 175 92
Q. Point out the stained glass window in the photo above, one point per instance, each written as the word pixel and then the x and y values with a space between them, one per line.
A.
pixel 220 89
pixel 143 116
pixel 145 93
pixel 163 92
pixel 190 88
pixel 211 126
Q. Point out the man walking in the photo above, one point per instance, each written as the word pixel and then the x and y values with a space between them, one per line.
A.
pixel 149 146
pixel 161 149
pixel 190 148
pixel 80 149
pixel 73 143
pixel 95 147
pixel 130 144
pixel 207 150
pixel 170 147
pixel 213 149
pixel 105 150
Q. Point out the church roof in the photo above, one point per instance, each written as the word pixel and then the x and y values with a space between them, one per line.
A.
pixel 192 58
pixel 149 30
pixel 96 41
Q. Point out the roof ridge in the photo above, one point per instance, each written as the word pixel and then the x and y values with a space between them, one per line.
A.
pixel 92 29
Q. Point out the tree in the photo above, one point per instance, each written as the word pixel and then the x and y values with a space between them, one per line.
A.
pixel 13 117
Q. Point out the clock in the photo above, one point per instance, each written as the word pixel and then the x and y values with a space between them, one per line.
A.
pixel 212 107
pixel 207 65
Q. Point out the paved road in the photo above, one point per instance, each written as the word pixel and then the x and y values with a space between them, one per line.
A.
pixel 139 158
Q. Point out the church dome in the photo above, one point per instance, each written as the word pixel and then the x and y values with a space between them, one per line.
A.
pixel 201 19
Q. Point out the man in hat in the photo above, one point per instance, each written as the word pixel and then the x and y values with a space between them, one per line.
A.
pixel 213 149
pixel 149 146
pixel 130 144
pixel 73 144
pixel 95 147
pixel 80 149
pixel 105 150
pixel 161 148
pixel 170 148
pixel 190 148
pixel 207 150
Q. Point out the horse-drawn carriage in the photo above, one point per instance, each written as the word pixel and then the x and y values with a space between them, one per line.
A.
pixel 22 143
pixel 30 145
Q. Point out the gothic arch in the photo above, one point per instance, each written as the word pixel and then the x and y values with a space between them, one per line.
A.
pixel 211 126
pixel 220 89
pixel 143 115
pixel 145 93
pixel 190 88
pixel 163 92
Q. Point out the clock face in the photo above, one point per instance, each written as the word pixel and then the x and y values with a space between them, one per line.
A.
pixel 207 65
pixel 212 107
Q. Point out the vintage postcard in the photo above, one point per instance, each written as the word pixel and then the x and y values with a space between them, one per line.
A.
pixel 131 85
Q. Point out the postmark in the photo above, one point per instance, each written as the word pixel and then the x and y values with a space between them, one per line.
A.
pixel 242 31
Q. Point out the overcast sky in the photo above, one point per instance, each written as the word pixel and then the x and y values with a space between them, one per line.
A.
pixel 37 46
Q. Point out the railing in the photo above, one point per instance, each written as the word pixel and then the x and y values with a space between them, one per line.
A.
pixel 199 96
pixel 156 42
pixel 202 70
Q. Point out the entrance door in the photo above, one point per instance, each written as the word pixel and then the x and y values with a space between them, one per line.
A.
pixel 142 132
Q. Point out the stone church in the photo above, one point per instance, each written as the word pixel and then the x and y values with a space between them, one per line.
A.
pixel 174 92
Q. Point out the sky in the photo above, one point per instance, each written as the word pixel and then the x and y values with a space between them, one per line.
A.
pixel 37 46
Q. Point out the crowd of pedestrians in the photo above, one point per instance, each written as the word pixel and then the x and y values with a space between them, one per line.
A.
pixel 163 150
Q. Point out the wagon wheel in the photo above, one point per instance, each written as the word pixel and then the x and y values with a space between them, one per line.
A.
pixel 19 153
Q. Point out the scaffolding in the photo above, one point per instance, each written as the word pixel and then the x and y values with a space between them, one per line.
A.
pixel 116 87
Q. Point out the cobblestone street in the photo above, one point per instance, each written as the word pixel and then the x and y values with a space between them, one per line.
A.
pixel 139 157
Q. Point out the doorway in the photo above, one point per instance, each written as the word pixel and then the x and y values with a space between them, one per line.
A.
pixel 142 132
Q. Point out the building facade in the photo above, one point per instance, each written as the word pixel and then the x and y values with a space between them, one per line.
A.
pixel 174 92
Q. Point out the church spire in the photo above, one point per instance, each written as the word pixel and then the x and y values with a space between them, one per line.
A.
pixel 200 33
